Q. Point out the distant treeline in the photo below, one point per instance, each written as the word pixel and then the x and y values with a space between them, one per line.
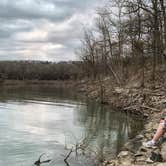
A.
pixel 38 70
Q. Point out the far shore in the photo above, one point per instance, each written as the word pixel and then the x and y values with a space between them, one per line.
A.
pixel 57 83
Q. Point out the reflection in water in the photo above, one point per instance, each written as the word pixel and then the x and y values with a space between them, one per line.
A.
pixel 34 120
pixel 40 93
pixel 107 130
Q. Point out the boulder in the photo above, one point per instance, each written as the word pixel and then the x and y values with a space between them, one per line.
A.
pixel 156 157
pixel 163 151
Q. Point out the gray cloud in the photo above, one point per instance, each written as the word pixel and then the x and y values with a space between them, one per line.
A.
pixel 31 9
pixel 56 10
pixel 43 29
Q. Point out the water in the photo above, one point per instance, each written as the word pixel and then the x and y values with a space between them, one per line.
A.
pixel 36 120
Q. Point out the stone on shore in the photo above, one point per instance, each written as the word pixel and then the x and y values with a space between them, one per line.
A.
pixel 163 151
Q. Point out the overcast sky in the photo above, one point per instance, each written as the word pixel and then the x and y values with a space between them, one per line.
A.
pixel 43 29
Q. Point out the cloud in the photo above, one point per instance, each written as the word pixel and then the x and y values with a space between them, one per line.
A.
pixel 32 9
pixel 43 29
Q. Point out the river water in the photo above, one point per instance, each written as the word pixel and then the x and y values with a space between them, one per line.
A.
pixel 36 120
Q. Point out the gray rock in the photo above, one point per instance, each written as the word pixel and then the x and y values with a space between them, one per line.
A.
pixel 143 149
pixel 161 164
pixel 163 151
pixel 140 136
pixel 127 161
pixel 149 161
pixel 156 157
pixel 141 158
pixel 123 154
pixel 138 154
pixel 125 158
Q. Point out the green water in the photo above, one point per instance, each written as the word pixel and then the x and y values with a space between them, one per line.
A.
pixel 36 120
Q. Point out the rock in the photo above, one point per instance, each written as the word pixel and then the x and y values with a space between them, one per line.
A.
pixel 141 158
pixel 142 149
pixel 146 115
pixel 125 158
pixel 161 164
pixel 149 161
pixel 118 90
pixel 127 161
pixel 123 154
pixel 121 90
pixel 155 126
pixel 149 126
pixel 149 135
pixel 138 155
pixel 139 136
pixel 164 110
pixel 112 163
pixel 163 151
pixel 105 163
pixel 163 101
pixel 156 157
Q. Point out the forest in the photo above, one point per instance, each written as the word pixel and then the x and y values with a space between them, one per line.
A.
pixel 129 38
pixel 38 70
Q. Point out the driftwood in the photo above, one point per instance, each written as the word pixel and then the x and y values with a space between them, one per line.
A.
pixel 38 162
pixel 142 106
pixel 82 145
pixel 68 155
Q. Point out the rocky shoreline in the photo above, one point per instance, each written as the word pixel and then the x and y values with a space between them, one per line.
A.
pixel 135 154
pixel 148 103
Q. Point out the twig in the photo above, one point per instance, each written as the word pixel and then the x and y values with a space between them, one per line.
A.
pixel 65 160
pixel 38 162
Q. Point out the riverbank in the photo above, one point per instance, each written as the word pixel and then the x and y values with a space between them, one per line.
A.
pixel 135 154
pixel 148 102
pixel 53 83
